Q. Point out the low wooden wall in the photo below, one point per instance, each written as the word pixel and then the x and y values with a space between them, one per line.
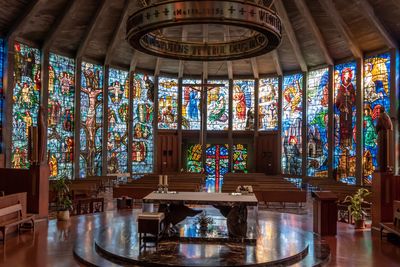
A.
pixel 9 200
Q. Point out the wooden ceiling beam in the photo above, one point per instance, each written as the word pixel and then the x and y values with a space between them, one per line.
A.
pixel 254 67
pixel 19 23
pixel 277 64
pixel 157 67
pixel 369 13
pixel 337 20
pixel 205 63
pixel 55 28
pixel 305 12
pixel 287 25
pixel 89 32
pixel 227 37
pixel 118 35
pixel 134 61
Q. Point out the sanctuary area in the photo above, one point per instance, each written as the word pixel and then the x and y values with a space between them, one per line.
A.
pixel 199 133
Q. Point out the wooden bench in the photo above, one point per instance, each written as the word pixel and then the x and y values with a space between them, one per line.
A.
pixel 18 221
pixel 393 228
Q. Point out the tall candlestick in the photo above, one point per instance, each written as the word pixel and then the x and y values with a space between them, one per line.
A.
pixel 160 179
pixel 166 180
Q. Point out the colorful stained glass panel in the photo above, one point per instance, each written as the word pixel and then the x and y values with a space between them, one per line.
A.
pixel 291 124
pixel 191 99
pixel 167 103
pixel 345 89
pixel 26 98
pixel 1 92
pixel 317 123
pixel 118 119
pixel 268 104
pixel 217 165
pixel 194 163
pixel 239 158
pixel 61 104
pixel 243 105
pixel 218 105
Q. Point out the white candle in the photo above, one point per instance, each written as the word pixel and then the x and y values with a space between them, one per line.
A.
pixel 166 180
pixel 160 179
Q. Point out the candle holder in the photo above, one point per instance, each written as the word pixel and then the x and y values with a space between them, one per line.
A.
pixel 166 189
pixel 160 188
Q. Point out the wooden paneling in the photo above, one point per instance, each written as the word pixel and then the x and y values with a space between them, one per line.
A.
pixel 167 153
pixel 267 154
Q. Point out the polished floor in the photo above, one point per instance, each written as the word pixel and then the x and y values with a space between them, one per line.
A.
pixel 52 244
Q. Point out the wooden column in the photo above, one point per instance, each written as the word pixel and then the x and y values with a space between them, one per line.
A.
pixel 256 126
pixel 78 77
pixel 44 95
pixel 8 88
pixel 104 151
pixel 331 128
pixel 304 140
pixel 280 110
pixel 394 111
pixel 130 120
pixel 203 126
pixel 359 120
pixel 156 164
pixel 179 124
pixel 230 126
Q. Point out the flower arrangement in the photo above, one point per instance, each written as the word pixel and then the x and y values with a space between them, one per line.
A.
pixel 203 220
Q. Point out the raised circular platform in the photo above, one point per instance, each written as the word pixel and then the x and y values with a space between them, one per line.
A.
pixel 276 244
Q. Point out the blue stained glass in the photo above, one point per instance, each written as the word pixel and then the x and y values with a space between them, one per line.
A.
pixel 218 106
pixel 317 123
pixel 291 124
pixel 167 103
pixel 376 95
pixel 217 165
pixel 1 92
pixel 268 104
pixel 191 99
pixel 26 98
pixel 345 91
pixel 90 161
pixel 118 106
pixel 243 105
pixel 143 113
pixel 60 132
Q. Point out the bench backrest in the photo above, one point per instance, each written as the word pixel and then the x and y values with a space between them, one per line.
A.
pixel 11 209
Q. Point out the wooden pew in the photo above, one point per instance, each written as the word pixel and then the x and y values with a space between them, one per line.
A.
pixel 394 227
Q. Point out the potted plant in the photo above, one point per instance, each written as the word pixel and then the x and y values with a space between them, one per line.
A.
pixel 203 220
pixel 63 202
pixel 355 206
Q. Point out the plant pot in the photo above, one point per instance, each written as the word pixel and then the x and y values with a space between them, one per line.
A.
pixel 63 215
pixel 359 224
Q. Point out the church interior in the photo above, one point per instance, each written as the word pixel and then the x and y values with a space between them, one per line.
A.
pixel 199 133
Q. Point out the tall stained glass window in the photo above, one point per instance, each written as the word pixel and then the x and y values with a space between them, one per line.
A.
pixel 317 122
pixel 90 161
pixel 218 106
pixel 376 95
pixel 60 131
pixel 1 92
pixel 344 156
pixel 191 110
pixel 194 163
pixel 26 97
pixel 268 104
pixel 243 105
pixel 292 104
pixel 240 158
pixel 143 113
pixel 118 106
pixel 167 103
pixel 217 165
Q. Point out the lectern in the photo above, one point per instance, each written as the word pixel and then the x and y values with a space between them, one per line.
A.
pixel 325 212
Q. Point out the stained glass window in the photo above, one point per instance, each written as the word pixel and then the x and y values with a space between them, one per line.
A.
pixel 167 103
pixel 291 124
pixel 118 119
pixel 191 111
pixel 344 156
pixel 376 95
pixel 143 105
pixel 60 131
pixel 90 160
pixel 240 158
pixel 1 92
pixel 268 104
pixel 243 105
pixel 317 123
pixel 217 165
pixel 26 97
pixel 218 106
pixel 194 163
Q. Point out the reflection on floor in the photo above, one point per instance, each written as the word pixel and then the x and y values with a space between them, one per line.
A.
pixel 52 244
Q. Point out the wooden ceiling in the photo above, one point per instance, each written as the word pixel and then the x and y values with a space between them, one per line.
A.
pixel 316 33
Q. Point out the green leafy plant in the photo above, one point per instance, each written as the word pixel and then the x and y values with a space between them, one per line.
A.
pixel 204 220
pixel 61 187
pixel 356 201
